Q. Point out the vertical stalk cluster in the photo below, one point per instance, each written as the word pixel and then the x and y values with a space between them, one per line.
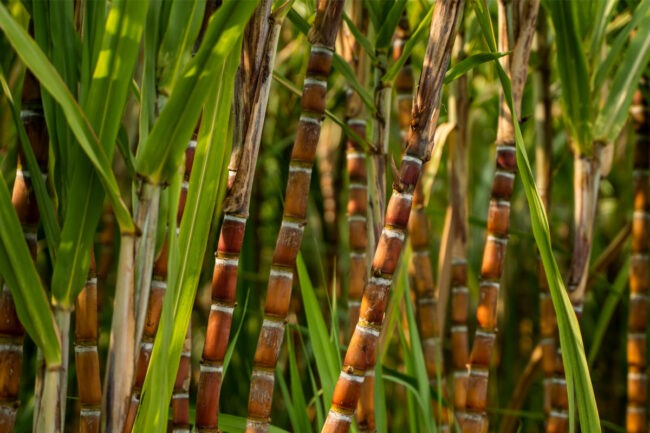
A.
pixel 459 113
pixel 636 418
pixel 361 353
pixel 24 200
pixel 322 37
pixel 498 222
pixel 86 357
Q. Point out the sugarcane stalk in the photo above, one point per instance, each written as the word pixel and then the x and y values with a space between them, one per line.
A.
pixel 636 413
pixel 24 201
pixel 379 158
pixel 419 268
pixel 458 233
pixel 543 160
pixel 361 353
pixel 322 37
pixel 357 205
pixel 476 419
pixel 86 357
pixel 147 220
pixel 121 352
pixel 181 392
pixel 154 310
pixel 253 81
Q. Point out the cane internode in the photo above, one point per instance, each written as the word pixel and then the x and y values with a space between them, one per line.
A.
pixel 636 414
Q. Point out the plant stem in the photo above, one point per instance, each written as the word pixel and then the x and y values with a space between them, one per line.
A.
pixel 357 206
pixel 361 353
pixel 48 419
pixel 180 395
pixel 147 220
pixel 636 417
pixel 62 317
pixel 253 83
pixel 86 357
pixel 121 352
pixel 322 37
pixel 458 234
pixel 498 224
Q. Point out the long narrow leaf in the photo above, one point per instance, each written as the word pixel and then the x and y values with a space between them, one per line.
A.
pixel 49 78
pixel 164 147
pixel 470 63
pixel 327 359
pixel 572 68
pixel 389 24
pixel 613 54
pixel 45 208
pixel 611 118
pixel 361 39
pixel 104 104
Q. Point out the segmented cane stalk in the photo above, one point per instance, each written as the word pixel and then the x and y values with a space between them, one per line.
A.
pixel 181 393
pixel 586 181
pixel 459 114
pixel 498 221
pixel 261 39
pixel 361 353
pixel 544 149
pixel 357 206
pixel 636 421
pixel 24 200
pixel 157 291
pixel 86 357
pixel 322 37
pixel 420 269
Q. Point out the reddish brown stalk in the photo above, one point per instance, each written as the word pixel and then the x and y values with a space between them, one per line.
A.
pixel 86 357
pixel 181 393
pixel 253 82
pixel 420 268
pixel 458 232
pixel 636 417
pixel 357 206
pixel 476 419
pixel 361 353
pixel 322 37
pixel 543 159
pixel 24 200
